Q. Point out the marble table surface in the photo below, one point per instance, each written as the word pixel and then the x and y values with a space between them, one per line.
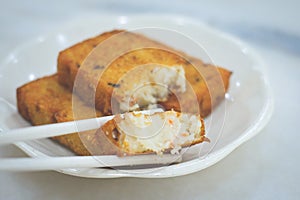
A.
pixel 266 167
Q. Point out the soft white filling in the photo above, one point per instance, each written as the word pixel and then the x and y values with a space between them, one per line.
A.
pixel 159 132
pixel 156 87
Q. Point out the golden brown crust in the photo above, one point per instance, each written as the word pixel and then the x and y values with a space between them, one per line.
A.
pixel 40 99
pixel 69 60
pixel 207 99
pixel 201 76
pixel 44 101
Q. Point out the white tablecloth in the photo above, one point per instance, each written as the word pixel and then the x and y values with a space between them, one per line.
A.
pixel 266 167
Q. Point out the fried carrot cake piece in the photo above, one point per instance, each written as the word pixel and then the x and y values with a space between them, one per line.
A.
pixel 97 66
pixel 136 133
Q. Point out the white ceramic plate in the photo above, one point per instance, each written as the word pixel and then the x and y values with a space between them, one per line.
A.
pixel 248 106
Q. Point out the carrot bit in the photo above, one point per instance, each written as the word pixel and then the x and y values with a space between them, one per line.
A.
pixel 185 134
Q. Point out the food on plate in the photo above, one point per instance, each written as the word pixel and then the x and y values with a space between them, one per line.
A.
pixel 136 133
pixel 98 64
pixel 127 72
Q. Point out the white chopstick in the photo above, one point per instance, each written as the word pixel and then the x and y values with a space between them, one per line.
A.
pixel 51 130
pixel 57 163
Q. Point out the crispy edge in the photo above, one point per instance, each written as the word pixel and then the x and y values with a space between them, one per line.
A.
pixel 70 59
pixel 35 104
pixel 206 101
